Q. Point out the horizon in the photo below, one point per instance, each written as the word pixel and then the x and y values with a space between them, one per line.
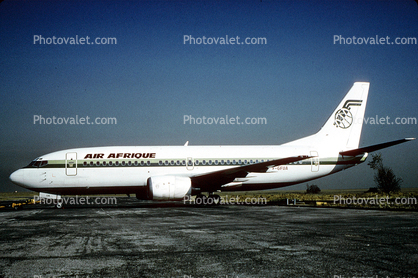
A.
pixel 150 78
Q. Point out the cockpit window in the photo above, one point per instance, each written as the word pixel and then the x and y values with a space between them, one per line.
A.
pixel 31 164
pixel 37 164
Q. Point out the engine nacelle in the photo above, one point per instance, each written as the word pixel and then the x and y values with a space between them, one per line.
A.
pixel 168 187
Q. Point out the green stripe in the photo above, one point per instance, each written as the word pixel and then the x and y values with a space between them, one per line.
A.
pixel 156 162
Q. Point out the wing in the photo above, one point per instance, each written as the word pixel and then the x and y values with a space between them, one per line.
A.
pixel 373 148
pixel 212 181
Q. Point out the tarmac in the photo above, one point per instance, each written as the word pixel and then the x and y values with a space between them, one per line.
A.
pixel 171 239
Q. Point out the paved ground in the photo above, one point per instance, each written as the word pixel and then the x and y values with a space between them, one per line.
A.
pixel 172 240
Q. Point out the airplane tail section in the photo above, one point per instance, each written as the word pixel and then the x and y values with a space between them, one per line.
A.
pixel 343 129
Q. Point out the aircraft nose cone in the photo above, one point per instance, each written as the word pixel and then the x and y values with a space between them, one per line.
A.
pixel 17 177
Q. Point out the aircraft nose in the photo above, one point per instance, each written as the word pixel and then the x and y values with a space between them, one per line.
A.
pixel 17 177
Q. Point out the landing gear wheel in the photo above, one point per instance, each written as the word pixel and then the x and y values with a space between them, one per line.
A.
pixel 58 205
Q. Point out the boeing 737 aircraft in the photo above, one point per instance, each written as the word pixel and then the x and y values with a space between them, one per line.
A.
pixel 173 172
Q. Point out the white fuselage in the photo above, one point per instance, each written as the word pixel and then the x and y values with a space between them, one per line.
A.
pixel 126 169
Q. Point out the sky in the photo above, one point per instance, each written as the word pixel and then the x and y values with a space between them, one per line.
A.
pixel 149 78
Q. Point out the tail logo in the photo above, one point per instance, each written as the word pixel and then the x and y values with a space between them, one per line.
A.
pixel 343 117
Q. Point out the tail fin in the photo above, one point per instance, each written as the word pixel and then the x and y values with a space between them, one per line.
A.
pixel 343 128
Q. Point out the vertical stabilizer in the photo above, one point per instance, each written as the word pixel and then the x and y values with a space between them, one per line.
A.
pixel 342 131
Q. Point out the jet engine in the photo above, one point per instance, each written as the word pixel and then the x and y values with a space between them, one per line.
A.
pixel 167 188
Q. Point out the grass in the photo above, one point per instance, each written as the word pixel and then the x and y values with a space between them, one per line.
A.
pixel 407 199
pixel 325 198
pixel 17 196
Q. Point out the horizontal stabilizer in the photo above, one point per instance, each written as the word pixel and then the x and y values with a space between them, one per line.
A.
pixel 373 148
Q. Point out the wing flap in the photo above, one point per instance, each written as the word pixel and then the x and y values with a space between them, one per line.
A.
pixel 214 180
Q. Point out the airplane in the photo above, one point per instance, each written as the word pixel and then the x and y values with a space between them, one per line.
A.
pixel 174 172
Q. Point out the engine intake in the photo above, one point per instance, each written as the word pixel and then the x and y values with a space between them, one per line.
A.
pixel 168 187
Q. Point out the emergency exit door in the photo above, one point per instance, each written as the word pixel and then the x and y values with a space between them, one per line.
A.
pixel 71 164
pixel 314 161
